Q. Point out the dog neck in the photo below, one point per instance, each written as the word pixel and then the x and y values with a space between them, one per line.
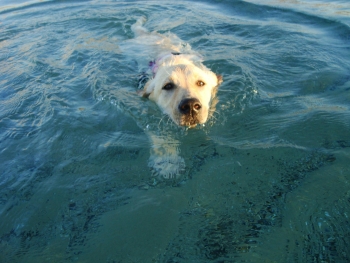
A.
pixel 154 64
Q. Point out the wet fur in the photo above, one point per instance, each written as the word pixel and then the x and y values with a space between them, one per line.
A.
pixel 183 88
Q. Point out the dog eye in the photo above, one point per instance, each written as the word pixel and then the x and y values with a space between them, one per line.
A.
pixel 168 86
pixel 200 83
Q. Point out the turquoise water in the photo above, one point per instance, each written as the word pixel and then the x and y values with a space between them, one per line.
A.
pixel 266 180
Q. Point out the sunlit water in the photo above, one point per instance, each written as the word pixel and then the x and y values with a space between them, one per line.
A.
pixel 266 180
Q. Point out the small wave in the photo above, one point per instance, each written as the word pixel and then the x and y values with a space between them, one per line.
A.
pixel 9 7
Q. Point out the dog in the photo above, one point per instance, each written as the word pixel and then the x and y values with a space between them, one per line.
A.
pixel 181 86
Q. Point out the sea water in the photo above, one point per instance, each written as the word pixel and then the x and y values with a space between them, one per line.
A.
pixel 266 179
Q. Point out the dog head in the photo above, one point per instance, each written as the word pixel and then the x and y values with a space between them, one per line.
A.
pixel 183 88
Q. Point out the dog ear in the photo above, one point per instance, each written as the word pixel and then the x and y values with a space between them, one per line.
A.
pixel 143 94
pixel 220 80
pixel 147 90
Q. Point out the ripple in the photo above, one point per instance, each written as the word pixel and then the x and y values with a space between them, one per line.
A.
pixel 268 170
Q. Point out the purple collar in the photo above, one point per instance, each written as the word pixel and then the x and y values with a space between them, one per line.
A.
pixel 153 65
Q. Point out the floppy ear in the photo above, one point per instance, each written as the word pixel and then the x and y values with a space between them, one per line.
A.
pixel 147 90
pixel 220 80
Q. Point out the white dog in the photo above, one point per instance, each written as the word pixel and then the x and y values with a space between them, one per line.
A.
pixel 181 86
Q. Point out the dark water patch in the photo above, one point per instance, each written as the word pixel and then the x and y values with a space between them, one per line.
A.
pixel 224 233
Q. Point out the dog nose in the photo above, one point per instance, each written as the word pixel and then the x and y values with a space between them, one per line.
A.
pixel 190 105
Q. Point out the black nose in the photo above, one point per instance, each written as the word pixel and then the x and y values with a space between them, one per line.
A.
pixel 190 106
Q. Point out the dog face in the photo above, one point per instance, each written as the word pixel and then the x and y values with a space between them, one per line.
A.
pixel 183 89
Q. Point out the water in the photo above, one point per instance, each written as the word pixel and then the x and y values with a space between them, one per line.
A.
pixel 266 180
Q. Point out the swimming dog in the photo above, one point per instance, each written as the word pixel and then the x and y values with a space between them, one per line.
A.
pixel 181 86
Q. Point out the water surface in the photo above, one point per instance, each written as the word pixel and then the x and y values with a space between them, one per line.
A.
pixel 266 180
